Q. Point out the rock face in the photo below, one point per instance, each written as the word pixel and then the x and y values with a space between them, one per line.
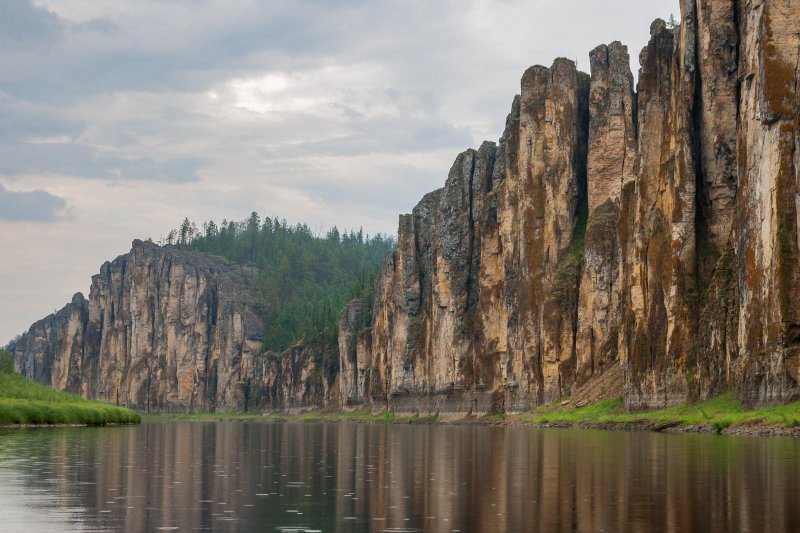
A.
pixel 52 349
pixel 354 354
pixel 169 330
pixel 660 263
pixel 612 165
pixel 764 365
pixel 643 240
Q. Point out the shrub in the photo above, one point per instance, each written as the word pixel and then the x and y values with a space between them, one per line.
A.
pixel 722 423
pixel 6 362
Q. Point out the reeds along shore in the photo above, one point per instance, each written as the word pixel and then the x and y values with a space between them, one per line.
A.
pixel 25 402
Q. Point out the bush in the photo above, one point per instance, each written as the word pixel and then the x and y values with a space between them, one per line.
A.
pixel 6 362
pixel 722 423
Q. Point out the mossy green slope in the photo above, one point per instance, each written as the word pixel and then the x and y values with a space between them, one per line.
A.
pixel 719 413
pixel 23 401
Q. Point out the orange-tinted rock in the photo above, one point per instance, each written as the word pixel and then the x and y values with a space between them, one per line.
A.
pixel 612 161
pixel 766 366
pixel 660 268
pixel 686 280
pixel 446 334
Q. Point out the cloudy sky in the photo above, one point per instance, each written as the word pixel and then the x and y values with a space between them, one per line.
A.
pixel 118 119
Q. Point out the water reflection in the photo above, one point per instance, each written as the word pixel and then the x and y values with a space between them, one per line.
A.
pixel 239 476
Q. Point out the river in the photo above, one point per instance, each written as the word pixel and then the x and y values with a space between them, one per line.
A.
pixel 342 477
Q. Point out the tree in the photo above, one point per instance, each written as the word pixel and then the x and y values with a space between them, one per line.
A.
pixel 303 279
pixel 333 235
pixel 211 230
pixel 673 23
pixel 6 362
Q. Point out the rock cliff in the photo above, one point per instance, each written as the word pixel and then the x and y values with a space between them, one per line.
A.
pixel 649 234
pixel 170 330
pixel 615 242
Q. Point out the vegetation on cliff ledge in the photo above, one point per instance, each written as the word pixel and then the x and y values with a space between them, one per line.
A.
pixel 304 279
pixel 23 401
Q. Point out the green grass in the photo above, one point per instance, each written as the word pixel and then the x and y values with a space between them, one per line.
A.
pixel 720 412
pixel 717 413
pixel 23 401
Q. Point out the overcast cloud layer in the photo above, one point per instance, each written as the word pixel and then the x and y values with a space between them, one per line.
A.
pixel 120 118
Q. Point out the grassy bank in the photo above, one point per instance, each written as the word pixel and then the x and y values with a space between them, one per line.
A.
pixel 23 401
pixel 716 414
pixel 723 413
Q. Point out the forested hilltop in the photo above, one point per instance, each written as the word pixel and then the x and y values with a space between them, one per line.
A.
pixel 303 280
pixel 242 315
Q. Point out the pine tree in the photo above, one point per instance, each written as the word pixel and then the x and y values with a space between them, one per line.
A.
pixel 673 23
pixel 303 280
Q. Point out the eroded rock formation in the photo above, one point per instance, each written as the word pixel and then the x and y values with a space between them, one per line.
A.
pixel 764 363
pixel 170 330
pixel 649 234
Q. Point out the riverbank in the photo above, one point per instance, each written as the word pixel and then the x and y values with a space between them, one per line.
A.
pixel 25 403
pixel 722 415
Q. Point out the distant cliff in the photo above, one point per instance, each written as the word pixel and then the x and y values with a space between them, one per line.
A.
pixel 170 330
pixel 614 242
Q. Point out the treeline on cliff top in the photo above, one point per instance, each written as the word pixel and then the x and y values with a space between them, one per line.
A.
pixel 304 279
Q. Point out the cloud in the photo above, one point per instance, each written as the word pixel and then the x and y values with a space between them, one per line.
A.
pixel 60 155
pixel 101 25
pixel 23 24
pixel 44 139
pixel 30 206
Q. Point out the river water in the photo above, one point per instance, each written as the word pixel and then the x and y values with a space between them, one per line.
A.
pixel 341 477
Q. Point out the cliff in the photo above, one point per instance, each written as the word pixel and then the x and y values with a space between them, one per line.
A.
pixel 614 242
pixel 170 330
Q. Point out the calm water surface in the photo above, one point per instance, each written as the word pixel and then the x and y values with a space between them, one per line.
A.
pixel 259 476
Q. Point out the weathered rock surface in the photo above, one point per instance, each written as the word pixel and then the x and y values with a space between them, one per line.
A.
pixel 660 266
pixel 612 165
pixel 765 366
pixel 169 330
pixel 355 343
pixel 683 279
pixel 468 314
pixel 52 349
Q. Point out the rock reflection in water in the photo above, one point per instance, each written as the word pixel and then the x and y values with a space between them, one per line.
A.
pixel 240 476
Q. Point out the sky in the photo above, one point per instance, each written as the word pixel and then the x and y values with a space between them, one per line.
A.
pixel 118 119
